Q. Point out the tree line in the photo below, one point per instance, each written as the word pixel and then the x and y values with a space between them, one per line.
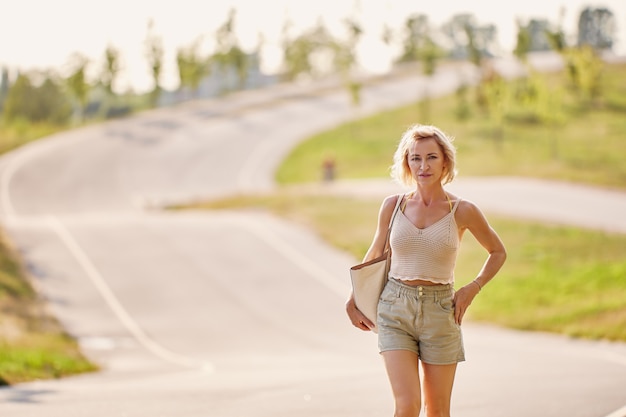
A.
pixel 46 97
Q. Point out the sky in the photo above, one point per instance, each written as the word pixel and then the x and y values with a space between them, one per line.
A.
pixel 44 34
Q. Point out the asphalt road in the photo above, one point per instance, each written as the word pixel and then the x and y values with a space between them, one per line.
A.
pixel 240 314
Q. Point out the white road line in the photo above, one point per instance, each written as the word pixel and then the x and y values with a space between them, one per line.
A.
pixel 114 304
pixel 618 413
pixel 302 261
pixel 15 160
pixel 5 182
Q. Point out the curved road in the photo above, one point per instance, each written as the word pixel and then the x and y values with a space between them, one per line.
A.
pixel 237 314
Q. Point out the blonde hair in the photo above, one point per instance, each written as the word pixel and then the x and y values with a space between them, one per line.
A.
pixel 400 170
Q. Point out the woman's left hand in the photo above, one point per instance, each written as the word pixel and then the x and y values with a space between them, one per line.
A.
pixel 462 300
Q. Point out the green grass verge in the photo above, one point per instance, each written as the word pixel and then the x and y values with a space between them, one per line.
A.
pixel 41 356
pixel 33 345
pixel 557 279
pixel 20 133
pixel 583 144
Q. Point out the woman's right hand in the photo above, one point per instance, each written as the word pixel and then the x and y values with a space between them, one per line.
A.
pixel 357 318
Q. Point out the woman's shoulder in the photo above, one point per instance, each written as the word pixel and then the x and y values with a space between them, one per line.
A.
pixel 467 211
pixel 463 203
pixel 392 199
pixel 389 202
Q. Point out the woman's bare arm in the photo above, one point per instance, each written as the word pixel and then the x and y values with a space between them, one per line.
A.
pixel 469 217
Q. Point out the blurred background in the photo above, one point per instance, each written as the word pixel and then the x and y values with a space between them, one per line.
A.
pixel 68 64
pixel 108 58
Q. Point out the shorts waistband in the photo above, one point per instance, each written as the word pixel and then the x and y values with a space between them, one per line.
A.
pixel 432 291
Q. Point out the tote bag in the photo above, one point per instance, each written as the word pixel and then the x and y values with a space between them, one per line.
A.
pixel 369 278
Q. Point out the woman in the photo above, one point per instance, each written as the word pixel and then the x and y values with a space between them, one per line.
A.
pixel 419 312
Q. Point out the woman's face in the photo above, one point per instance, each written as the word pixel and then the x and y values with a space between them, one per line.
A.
pixel 426 161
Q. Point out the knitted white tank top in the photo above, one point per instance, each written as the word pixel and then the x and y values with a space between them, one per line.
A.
pixel 428 254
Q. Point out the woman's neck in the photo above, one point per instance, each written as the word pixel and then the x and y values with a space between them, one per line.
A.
pixel 428 195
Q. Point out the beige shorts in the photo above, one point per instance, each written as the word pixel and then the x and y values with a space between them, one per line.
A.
pixel 420 319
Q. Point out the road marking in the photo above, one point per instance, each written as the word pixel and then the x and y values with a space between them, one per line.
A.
pixel 618 413
pixel 5 182
pixel 114 304
pixel 302 261
pixel 15 160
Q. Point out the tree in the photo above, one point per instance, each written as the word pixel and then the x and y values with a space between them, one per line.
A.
pixel 474 53
pixel 584 68
pixel 468 39
pixel 296 54
pixel 345 59
pixel 523 44
pixel 456 31
pixel 43 103
pixel 532 37
pixel 475 43
pixel 229 56
pixel 478 41
pixel 191 66
pixel 495 95
pixel 419 45
pixel 53 105
pixel 4 86
pixel 415 32
pixel 111 69
pixel 387 35
pixel 556 37
pixel 77 82
pixel 428 55
pixel 154 54
pixel 304 54
pixel 475 56
pixel 528 92
pixel 20 100
pixel 596 28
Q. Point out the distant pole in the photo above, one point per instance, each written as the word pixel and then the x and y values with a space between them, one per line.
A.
pixel 328 168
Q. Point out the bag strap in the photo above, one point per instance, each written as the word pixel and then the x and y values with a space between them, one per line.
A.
pixel 393 216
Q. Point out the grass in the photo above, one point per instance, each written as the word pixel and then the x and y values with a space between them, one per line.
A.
pixel 557 279
pixel 33 345
pixel 40 356
pixel 20 133
pixel 585 144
